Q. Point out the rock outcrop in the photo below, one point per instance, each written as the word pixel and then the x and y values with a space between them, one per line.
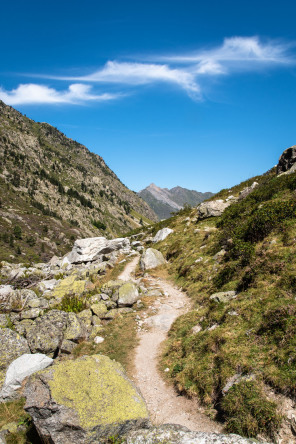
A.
pixel 84 401
pixel 213 208
pixel 151 258
pixel 175 434
pixel 162 234
pixel 287 161
pixel 90 249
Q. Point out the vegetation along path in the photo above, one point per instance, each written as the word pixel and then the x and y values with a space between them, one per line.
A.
pixel 164 403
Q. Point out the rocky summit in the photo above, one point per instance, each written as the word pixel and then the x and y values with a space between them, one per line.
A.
pixel 166 201
pixel 53 190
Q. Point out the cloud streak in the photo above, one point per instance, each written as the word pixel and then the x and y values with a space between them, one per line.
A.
pixel 32 94
pixel 186 71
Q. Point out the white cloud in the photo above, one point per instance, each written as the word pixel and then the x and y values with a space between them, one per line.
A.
pixel 128 73
pixel 236 53
pixel 31 93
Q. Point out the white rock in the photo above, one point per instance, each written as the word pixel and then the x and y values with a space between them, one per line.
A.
pixel 20 368
pixel 162 234
pixel 88 250
pixel 212 208
pixel 98 340
pixel 151 258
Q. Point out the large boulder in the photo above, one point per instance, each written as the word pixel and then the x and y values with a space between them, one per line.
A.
pixel 90 249
pixel 47 334
pixel 70 285
pixel 12 345
pixel 128 294
pixel 84 401
pixel 162 234
pixel 287 161
pixel 19 369
pixel 213 208
pixel 248 190
pixel 151 258
pixel 176 434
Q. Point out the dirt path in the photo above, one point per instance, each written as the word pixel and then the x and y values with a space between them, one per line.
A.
pixel 164 404
pixel 127 273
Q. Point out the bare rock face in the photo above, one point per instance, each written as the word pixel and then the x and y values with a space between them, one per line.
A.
pixel 162 234
pixel 90 249
pixel 84 401
pixel 175 434
pixel 287 160
pixel 213 208
pixel 151 258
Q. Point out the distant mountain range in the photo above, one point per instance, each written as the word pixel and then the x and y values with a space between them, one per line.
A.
pixel 164 201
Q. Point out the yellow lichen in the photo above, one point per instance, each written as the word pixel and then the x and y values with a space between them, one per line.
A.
pixel 69 285
pixel 96 388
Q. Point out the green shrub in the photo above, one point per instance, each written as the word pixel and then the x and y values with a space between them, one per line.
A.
pixel 248 412
pixel 72 303
pixel 98 224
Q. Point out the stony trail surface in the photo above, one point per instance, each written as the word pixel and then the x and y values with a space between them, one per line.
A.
pixel 127 273
pixel 164 404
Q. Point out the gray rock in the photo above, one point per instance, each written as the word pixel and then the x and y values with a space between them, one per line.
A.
pixel 128 294
pixel 88 250
pixel 246 191
pixel 99 309
pixel 67 347
pixel 176 434
pixel 32 313
pixel 162 234
pixel 84 401
pixel 213 208
pixel 151 258
pixel 4 320
pixel 287 160
pixel 12 345
pixel 19 369
pixel 223 296
pixel 24 326
pixel 47 333
pixel 74 329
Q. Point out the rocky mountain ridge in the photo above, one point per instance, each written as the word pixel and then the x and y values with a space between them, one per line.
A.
pixel 165 201
pixel 54 190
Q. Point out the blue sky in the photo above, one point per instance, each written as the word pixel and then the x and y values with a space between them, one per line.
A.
pixel 191 93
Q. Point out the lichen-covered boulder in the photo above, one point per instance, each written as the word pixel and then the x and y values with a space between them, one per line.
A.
pixel 74 330
pixel 176 434
pixel 70 285
pixel 12 345
pixel 48 332
pixel 99 309
pixel 223 296
pixel 162 234
pixel 128 294
pixel 213 208
pixel 84 401
pixel 151 258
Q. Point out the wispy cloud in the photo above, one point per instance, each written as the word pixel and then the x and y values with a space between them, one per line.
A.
pixel 236 53
pixel 134 73
pixel 185 71
pixel 32 93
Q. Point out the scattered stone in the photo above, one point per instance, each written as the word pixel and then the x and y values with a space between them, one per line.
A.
pixel 196 329
pixel 151 258
pixel 67 347
pixel 74 330
pixel 236 379
pixel 4 320
pixel 98 340
pixel 85 400
pixel 32 313
pixel 223 296
pixel 213 208
pixel 19 369
pixel 162 234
